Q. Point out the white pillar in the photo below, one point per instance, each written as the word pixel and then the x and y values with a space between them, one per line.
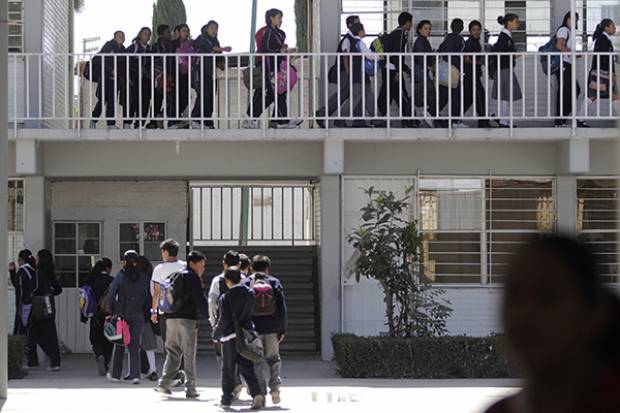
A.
pixel 4 166
pixel 327 29
pixel 566 204
pixel 330 262
pixel 558 9
pixel 35 216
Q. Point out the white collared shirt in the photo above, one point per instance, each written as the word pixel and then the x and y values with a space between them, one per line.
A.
pixel 506 31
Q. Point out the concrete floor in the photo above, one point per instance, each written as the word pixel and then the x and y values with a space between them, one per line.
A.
pixel 310 385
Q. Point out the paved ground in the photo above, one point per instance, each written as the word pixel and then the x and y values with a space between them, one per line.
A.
pixel 310 386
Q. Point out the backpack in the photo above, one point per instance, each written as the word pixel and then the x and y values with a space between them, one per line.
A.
pixel 43 307
pixel 184 61
pixel 95 64
pixel 550 47
pixel 88 304
pixel 116 330
pixel 171 293
pixel 264 297
pixel 377 45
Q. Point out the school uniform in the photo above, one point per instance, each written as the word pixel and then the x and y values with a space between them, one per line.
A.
pixel 205 84
pixel 421 74
pixel 161 47
pixel 25 286
pixel 607 80
pixel 472 81
pixel 106 91
pixel 139 74
pixel 237 303
pixel 180 73
pixel 15 282
pixel 506 77
pixel 100 344
pixel 43 333
pixel 395 42
pixel 453 43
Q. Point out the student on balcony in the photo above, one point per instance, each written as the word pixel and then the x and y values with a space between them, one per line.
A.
pixel 453 43
pixel 161 86
pixel 424 87
pixel 472 81
pixel 106 91
pixel 506 79
pixel 392 85
pixel 139 74
pixel 271 40
pixel 178 98
pixel 602 83
pixel 207 43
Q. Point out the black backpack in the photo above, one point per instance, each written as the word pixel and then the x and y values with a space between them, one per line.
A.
pixel 93 65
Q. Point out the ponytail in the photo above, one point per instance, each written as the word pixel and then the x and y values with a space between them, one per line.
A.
pixel 600 28
pixel 504 20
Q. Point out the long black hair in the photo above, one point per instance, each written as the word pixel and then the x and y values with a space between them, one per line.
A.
pixel 26 256
pixel 504 20
pixel 100 266
pixel 272 13
pixel 46 263
pixel 600 28
pixel 135 39
pixel 567 18
pixel 145 266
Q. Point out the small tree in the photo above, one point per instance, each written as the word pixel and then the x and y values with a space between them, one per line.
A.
pixel 170 12
pixel 389 252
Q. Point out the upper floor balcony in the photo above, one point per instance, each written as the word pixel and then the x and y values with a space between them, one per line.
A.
pixel 312 96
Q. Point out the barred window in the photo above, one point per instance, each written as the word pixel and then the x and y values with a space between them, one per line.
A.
pixel 77 246
pixel 16 26
pixel 142 237
pixel 597 221
pixel 15 218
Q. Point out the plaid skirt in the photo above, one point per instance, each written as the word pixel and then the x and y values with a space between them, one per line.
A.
pixel 503 86
pixel 599 84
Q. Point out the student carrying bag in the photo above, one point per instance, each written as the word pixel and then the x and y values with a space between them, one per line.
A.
pixel 43 307
pixel 247 342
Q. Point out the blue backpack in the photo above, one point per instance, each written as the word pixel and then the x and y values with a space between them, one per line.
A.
pixel 550 47
pixel 88 304
pixel 171 293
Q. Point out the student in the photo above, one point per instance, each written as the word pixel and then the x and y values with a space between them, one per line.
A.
pixel 273 41
pixel 43 333
pixel 106 91
pixel 148 344
pixel 565 42
pixel 218 288
pixel 99 280
pixel 423 68
pixel 270 327
pixel 139 74
pixel 245 265
pixel 562 326
pixel 236 304
pixel 129 298
pixel 24 284
pixel 472 80
pixel 603 79
pixel 161 46
pixel 391 82
pixel 346 45
pixel 506 76
pixel 182 329
pixel 181 71
pixel 453 43
pixel 207 43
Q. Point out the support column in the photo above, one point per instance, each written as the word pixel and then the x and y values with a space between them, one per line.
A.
pixel 33 43
pixel 4 166
pixel 566 205
pixel 330 284
pixel 327 29
pixel 35 213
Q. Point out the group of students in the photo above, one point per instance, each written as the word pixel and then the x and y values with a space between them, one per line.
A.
pixel 244 294
pixel 352 72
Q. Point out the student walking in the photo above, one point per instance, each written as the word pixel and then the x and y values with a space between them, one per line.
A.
pixel 206 83
pixel 472 69
pixel 139 81
pixel 99 280
pixel 24 284
pixel 424 86
pixel 235 307
pixel 603 79
pixel 113 72
pixel 179 98
pixel 129 298
pixel 506 79
pixel 392 85
pixel 273 42
pixel 245 265
pixel 148 344
pixel 453 43
pixel 42 331
pixel 565 42
pixel 270 320
pixel 182 327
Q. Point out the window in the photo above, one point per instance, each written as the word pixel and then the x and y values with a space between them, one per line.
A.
pixel 143 237
pixel 451 224
pixel 597 221
pixel 16 26
pixel 77 246
pixel 15 218
pixel 516 211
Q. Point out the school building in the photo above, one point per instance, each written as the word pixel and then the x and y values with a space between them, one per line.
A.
pixel 295 194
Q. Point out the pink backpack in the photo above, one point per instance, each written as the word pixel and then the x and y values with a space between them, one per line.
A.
pixel 184 49
pixel 285 70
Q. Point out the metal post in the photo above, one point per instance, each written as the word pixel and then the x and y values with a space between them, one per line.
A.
pixel 4 162
pixel 573 69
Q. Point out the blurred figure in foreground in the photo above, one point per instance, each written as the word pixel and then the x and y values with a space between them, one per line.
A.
pixel 562 327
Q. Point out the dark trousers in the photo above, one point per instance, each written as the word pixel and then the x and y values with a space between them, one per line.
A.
pixel 230 363
pixel 43 333
pixel 180 89
pixel 564 84
pixel 101 345
pixel 468 98
pixel 396 90
pixel 203 107
pixel 158 100
pixel 107 97
pixel 133 109
pixel 270 97
pixel 136 325
pixel 333 103
pixel 453 96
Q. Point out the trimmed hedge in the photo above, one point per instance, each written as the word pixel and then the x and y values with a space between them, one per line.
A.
pixel 17 354
pixel 421 357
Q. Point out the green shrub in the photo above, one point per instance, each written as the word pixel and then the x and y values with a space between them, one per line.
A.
pixel 17 353
pixel 421 357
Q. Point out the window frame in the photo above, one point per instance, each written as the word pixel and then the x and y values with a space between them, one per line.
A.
pixel 22 232
pixel 16 23
pixel 141 241
pixel 77 255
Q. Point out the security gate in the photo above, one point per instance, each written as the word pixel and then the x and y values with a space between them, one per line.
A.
pixel 274 219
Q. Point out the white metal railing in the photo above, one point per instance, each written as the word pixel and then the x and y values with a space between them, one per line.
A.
pixel 153 90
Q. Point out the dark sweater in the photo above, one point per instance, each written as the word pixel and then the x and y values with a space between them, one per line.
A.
pixel 274 40
pixel 194 298
pixel 422 45
pixel 453 43
pixel 396 42
pixel 111 47
pixel 603 44
pixel 473 45
pixel 278 322
pixel 26 283
pixel 240 301
pixel 505 44
pixel 99 284
pixel 130 298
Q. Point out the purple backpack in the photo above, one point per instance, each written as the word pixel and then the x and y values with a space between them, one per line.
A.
pixel 88 304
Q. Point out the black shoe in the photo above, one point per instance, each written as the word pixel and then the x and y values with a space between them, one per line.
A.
pixel 559 123
pixel 127 378
pixel 582 124
pixel 320 123
pixel 152 376
pixel 102 369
